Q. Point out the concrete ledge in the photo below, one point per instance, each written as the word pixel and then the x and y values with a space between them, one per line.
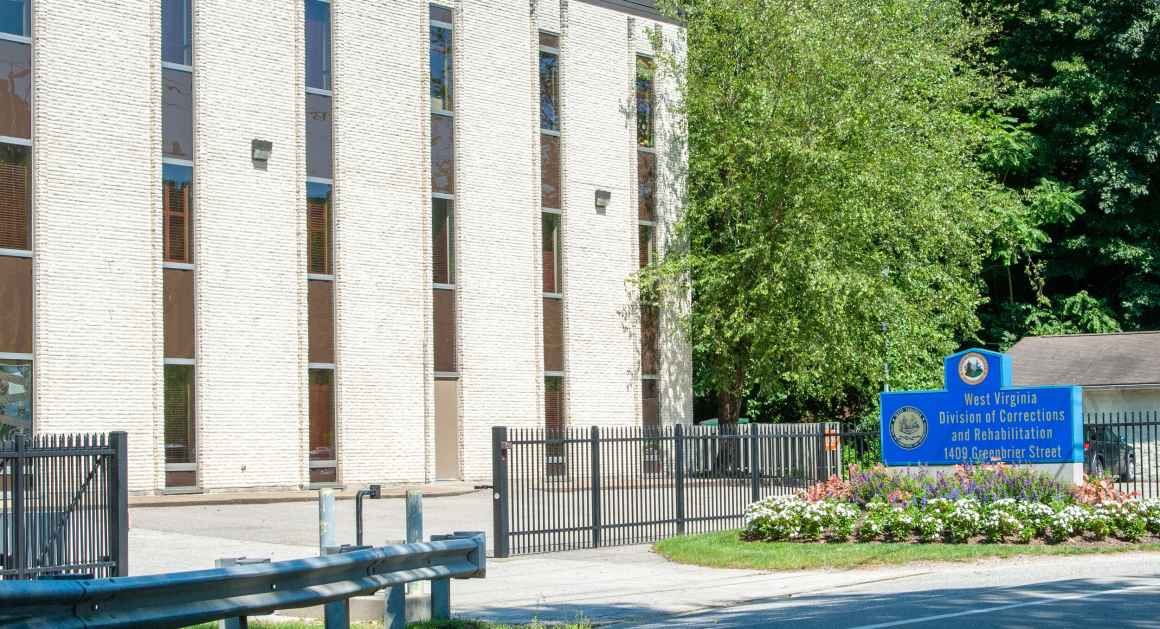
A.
pixel 430 490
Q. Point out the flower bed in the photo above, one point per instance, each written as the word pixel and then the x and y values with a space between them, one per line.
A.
pixel 994 503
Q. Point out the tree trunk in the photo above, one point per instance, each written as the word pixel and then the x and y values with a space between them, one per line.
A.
pixel 729 402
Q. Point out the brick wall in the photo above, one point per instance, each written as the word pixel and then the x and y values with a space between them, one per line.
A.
pixel 382 236
pixel 498 211
pixel 602 370
pixel 249 243
pixel 98 334
pixel 97 241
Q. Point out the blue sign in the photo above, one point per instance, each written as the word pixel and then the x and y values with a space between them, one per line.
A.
pixel 980 418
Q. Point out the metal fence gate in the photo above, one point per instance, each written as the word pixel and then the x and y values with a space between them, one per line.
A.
pixel 625 485
pixel 63 506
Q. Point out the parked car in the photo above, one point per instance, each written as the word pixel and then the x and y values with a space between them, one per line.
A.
pixel 1106 452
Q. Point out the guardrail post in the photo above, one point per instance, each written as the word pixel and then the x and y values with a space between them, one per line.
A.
pixel 119 501
pixel 395 607
pixel 500 508
pixel 440 599
pixel 679 474
pixel 596 520
pixel 754 470
pixel 335 614
pixel 326 528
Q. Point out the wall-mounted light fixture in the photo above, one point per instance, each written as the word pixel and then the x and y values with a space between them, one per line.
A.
pixel 602 199
pixel 260 151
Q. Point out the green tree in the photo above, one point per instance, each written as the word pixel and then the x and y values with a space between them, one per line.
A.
pixel 833 188
pixel 1081 142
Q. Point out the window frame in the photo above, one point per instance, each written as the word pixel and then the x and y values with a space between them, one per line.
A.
pixel 194 434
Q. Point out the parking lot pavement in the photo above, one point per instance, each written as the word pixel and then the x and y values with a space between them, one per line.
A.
pixel 631 586
pixel 167 539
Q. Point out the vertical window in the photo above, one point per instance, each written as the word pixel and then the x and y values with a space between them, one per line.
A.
pixel 15 398
pixel 650 404
pixel 15 89
pixel 319 224
pixel 442 244
pixel 319 136
pixel 646 168
pixel 442 84
pixel 550 231
pixel 323 453
pixel 177 116
pixel 15 219
pixel 644 101
pixel 180 431
pixel 176 32
pixel 441 81
pixel 15 17
pixel 318 44
pixel 648 245
pixel 549 82
pixel 551 205
pixel 15 199
pixel 176 211
pixel 177 243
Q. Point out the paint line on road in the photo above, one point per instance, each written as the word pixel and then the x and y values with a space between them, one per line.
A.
pixel 999 608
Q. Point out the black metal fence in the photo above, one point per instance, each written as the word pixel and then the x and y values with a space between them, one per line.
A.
pixel 1126 447
pixel 587 488
pixel 625 485
pixel 63 506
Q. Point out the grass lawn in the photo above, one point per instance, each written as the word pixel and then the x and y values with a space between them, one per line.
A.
pixel 443 624
pixel 726 550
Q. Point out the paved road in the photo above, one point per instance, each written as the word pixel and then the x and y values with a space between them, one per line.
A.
pixel 633 587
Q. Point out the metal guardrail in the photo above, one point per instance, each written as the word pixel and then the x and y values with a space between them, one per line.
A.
pixel 187 598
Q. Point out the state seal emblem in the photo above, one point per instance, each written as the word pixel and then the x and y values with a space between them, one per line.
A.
pixel 973 368
pixel 908 427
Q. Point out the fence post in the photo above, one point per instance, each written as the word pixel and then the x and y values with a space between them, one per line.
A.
pixel 596 523
pixel 18 521
pixel 119 501
pixel 499 487
pixel 754 469
pixel 326 532
pixel 820 454
pixel 679 474
pixel 335 614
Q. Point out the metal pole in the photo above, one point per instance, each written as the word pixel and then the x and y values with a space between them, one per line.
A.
pixel 886 356
pixel 500 508
pixel 596 523
pixel 414 516
pixel 414 528
pixel 19 520
pixel 119 495
pixel 326 532
pixel 679 475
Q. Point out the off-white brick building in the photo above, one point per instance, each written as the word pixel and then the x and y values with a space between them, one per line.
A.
pixel 300 242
